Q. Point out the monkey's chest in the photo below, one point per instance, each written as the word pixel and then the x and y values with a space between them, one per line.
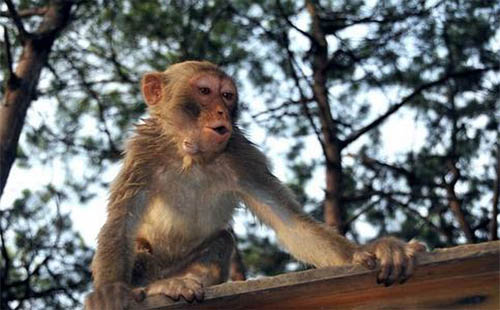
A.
pixel 183 215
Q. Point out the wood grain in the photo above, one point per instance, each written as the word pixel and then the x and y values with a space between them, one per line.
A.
pixel 463 277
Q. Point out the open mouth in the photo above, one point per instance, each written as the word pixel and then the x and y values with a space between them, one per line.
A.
pixel 221 130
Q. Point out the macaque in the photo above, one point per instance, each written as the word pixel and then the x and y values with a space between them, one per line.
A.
pixel 186 169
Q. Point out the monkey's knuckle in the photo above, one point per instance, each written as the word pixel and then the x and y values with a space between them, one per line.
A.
pixel 414 247
pixel 188 294
pixel 192 283
pixel 365 258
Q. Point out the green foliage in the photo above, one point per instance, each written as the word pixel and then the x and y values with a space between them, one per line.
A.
pixel 44 262
pixel 262 258
pixel 89 98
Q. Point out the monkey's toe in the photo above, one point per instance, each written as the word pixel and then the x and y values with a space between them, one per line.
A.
pixel 175 288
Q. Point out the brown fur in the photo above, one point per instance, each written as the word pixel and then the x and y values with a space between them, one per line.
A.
pixel 172 202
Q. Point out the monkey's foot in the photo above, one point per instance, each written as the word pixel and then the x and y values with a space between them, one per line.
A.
pixel 113 296
pixel 174 288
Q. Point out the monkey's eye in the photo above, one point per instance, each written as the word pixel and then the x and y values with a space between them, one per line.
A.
pixel 204 90
pixel 228 96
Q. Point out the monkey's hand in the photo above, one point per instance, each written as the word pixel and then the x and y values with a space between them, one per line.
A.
pixel 113 296
pixel 188 287
pixel 395 258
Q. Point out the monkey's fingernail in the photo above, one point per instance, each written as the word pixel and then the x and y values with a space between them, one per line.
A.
pixel 139 295
pixel 199 295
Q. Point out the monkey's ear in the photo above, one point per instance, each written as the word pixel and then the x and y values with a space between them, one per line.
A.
pixel 152 86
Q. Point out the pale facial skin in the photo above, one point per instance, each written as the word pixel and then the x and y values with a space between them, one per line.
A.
pixel 216 98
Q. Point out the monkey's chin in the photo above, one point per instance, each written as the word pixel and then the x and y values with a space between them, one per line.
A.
pixel 190 148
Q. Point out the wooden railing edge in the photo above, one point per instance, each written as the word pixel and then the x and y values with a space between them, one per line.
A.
pixel 265 284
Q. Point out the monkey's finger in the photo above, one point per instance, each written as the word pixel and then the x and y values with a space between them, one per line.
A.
pixel 167 288
pixel 172 294
pixel 188 294
pixel 385 268
pixel 199 294
pixel 411 251
pixel 410 267
pixel 398 261
pixel 139 294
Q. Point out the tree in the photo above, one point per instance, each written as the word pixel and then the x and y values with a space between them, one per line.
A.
pixel 410 54
pixel 91 76
pixel 21 82
pixel 44 263
pixel 328 74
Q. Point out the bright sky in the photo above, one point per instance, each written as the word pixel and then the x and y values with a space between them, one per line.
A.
pixel 399 134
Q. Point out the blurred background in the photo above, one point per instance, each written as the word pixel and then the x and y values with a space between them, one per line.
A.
pixel 382 116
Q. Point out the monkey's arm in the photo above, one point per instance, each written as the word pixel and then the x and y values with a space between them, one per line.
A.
pixel 308 240
pixel 305 238
pixel 113 260
pixel 316 244
pixel 114 256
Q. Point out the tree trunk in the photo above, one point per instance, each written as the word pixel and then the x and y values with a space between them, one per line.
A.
pixel 332 147
pixel 496 195
pixel 22 83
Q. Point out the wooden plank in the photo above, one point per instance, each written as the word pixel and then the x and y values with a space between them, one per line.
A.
pixel 463 277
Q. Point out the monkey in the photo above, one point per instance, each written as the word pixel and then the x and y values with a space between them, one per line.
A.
pixel 185 170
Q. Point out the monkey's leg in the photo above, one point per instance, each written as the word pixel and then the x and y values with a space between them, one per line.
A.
pixel 207 265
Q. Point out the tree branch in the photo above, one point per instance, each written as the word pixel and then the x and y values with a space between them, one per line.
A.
pixel 333 22
pixel 358 133
pixel 287 20
pixel 14 15
pixel 365 209
pixel 35 52
pixel 410 176
pixel 455 204
pixel 5 256
pixel 100 105
pixel 26 13
pixel 414 212
pixel 8 55
pixel 303 99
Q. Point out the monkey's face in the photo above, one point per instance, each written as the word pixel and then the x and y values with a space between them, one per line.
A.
pixel 197 105
pixel 207 108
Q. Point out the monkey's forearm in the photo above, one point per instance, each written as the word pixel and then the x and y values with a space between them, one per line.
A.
pixel 113 259
pixel 306 239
